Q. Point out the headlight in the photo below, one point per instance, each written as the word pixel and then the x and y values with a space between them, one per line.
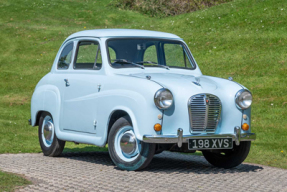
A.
pixel 163 98
pixel 243 99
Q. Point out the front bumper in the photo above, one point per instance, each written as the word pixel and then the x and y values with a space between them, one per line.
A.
pixel 180 138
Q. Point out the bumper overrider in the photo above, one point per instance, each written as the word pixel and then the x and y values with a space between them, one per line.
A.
pixel 180 138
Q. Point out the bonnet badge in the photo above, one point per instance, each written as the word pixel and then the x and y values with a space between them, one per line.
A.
pixel 196 82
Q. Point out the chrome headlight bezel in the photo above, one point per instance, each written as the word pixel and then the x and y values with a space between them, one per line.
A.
pixel 159 98
pixel 239 100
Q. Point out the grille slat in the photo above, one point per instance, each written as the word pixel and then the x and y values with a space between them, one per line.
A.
pixel 204 116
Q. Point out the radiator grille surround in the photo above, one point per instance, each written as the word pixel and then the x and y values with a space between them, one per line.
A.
pixel 204 112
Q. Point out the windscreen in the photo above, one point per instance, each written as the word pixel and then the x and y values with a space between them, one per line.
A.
pixel 149 53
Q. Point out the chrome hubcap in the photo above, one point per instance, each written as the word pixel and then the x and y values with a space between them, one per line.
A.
pixel 128 144
pixel 48 131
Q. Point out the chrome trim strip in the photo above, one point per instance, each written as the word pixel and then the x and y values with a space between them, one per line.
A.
pixel 206 111
pixel 237 137
pixel 71 130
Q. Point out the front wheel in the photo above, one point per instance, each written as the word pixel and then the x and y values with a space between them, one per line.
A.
pixel 126 151
pixel 50 144
pixel 228 158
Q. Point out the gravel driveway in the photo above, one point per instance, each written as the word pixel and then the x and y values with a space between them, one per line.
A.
pixel 168 171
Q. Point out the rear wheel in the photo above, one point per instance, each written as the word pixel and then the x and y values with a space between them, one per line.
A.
pixel 50 144
pixel 228 158
pixel 126 151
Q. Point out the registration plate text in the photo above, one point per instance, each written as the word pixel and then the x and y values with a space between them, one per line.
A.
pixel 216 143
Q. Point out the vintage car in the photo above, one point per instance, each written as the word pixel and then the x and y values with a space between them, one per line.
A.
pixel 141 92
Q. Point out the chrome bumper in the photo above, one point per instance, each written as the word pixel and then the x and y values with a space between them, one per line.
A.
pixel 180 138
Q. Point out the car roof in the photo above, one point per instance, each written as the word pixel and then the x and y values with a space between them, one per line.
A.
pixel 107 33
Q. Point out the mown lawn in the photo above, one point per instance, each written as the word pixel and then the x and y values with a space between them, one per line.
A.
pixel 9 181
pixel 245 39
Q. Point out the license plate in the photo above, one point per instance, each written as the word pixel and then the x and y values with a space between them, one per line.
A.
pixel 217 143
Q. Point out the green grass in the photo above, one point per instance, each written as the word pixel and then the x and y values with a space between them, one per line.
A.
pixel 245 39
pixel 9 181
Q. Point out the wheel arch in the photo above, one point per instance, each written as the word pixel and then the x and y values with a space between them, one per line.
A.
pixel 114 116
pixel 118 113
pixel 38 115
pixel 46 98
pixel 141 121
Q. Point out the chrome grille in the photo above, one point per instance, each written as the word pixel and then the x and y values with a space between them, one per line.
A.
pixel 204 112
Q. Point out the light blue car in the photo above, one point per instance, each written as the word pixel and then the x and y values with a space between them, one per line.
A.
pixel 141 92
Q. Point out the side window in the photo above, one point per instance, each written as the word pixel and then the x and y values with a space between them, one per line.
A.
pixel 66 56
pixel 88 56
pixel 150 54
pixel 175 56
pixel 112 54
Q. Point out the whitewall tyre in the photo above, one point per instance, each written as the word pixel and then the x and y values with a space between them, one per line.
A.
pixel 126 151
pixel 50 144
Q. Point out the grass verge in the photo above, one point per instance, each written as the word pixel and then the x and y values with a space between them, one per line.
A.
pixel 9 181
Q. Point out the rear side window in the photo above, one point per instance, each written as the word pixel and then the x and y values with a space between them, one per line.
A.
pixel 88 56
pixel 66 56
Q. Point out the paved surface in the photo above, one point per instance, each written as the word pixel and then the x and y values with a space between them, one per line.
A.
pixel 167 172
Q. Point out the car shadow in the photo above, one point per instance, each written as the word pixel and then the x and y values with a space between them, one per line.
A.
pixel 166 162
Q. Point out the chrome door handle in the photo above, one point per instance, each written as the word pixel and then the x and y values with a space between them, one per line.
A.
pixel 67 82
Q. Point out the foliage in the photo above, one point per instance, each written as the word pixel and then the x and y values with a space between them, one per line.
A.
pixel 165 8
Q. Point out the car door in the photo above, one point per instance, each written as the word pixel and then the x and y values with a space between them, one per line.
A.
pixel 82 85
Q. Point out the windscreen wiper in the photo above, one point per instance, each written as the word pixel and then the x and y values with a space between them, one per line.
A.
pixel 153 63
pixel 124 61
